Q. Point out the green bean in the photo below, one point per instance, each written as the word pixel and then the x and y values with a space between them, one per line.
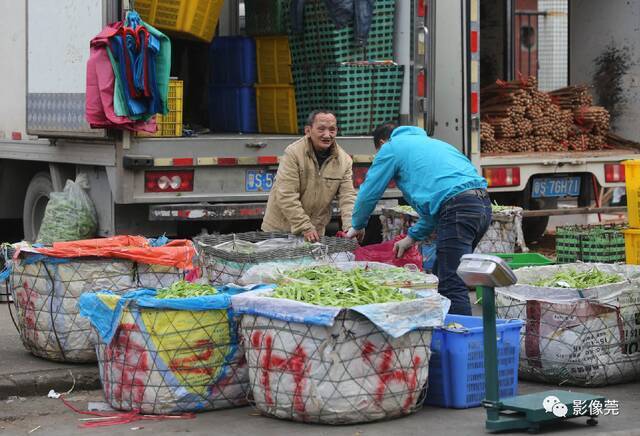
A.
pixel 328 286
pixel 184 289
pixel 579 280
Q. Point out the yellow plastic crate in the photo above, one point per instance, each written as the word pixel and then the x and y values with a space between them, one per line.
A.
pixel 191 18
pixel 171 124
pixel 632 245
pixel 276 105
pixel 274 60
pixel 632 176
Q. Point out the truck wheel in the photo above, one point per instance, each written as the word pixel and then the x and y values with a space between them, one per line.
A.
pixel 35 202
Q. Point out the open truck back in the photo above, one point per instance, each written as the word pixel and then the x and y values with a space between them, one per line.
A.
pixel 444 46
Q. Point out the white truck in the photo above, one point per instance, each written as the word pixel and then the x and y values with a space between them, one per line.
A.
pixel 44 138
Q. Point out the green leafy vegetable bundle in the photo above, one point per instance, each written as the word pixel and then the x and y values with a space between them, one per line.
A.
pixel 70 215
pixel 184 289
pixel 328 286
pixel 579 280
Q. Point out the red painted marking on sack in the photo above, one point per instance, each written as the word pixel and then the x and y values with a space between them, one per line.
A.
pixel 295 365
pixel 129 359
pixel 186 365
pixel 387 375
pixel 532 337
pixel 26 301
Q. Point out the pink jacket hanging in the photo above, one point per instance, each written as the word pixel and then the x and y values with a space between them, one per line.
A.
pixel 100 88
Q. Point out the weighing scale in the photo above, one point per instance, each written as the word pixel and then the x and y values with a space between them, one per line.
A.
pixel 524 411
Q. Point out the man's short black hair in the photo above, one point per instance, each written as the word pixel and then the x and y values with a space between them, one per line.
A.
pixel 383 133
pixel 312 116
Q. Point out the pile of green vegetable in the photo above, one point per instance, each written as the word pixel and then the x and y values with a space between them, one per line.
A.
pixel 184 289
pixel 395 276
pixel 496 208
pixel 405 209
pixel 579 280
pixel 70 215
pixel 328 286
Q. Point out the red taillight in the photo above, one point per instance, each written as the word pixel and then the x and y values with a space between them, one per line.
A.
pixel 614 173
pixel 359 174
pixel 422 8
pixel 168 181
pixel 420 84
pixel 498 177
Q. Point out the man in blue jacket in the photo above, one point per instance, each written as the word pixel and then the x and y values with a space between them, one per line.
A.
pixel 444 188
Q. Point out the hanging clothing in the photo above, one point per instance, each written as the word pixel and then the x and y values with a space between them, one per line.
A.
pixel 128 76
pixel 342 13
pixel 100 85
pixel 135 49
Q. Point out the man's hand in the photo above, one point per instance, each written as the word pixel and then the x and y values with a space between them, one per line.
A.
pixel 403 245
pixel 358 234
pixel 311 236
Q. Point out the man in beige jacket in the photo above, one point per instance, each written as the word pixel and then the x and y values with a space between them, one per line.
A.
pixel 312 173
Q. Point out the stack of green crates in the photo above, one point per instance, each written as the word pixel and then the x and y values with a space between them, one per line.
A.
pixel 323 43
pixel 266 17
pixel 600 243
pixel 361 84
pixel 362 96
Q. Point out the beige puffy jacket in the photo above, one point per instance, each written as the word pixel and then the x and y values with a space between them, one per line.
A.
pixel 301 197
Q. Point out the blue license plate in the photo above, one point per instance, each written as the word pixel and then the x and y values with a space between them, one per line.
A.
pixel 556 187
pixel 259 180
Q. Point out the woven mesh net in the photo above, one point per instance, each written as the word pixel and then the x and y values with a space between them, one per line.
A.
pixel 567 339
pixel 46 292
pixel 504 232
pixel 348 373
pixel 396 223
pixel 170 361
pixel 502 236
pixel 225 258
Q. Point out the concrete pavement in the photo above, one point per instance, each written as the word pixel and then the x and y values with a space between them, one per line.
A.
pixel 22 374
pixel 25 381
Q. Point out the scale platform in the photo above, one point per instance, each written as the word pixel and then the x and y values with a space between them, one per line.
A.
pixel 531 411
pixel 528 411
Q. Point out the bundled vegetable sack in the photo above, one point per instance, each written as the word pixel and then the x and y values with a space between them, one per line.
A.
pixel 184 289
pixel 581 322
pixel 337 348
pixel 70 215
pixel 579 279
pixel 327 286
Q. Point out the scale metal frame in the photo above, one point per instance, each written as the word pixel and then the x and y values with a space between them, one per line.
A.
pixel 522 411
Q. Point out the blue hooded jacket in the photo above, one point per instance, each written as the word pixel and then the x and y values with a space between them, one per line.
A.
pixel 427 171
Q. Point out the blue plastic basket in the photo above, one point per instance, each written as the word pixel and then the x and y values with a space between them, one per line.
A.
pixel 232 61
pixel 232 109
pixel 456 367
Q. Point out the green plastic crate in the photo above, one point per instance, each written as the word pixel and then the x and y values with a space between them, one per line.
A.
pixel 518 260
pixel 266 17
pixel 322 43
pixel 362 96
pixel 521 260
pixel 604 244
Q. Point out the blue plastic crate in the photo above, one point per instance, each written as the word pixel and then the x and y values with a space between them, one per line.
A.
pixel 232 61
pixel 232 109
pixel 456 367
